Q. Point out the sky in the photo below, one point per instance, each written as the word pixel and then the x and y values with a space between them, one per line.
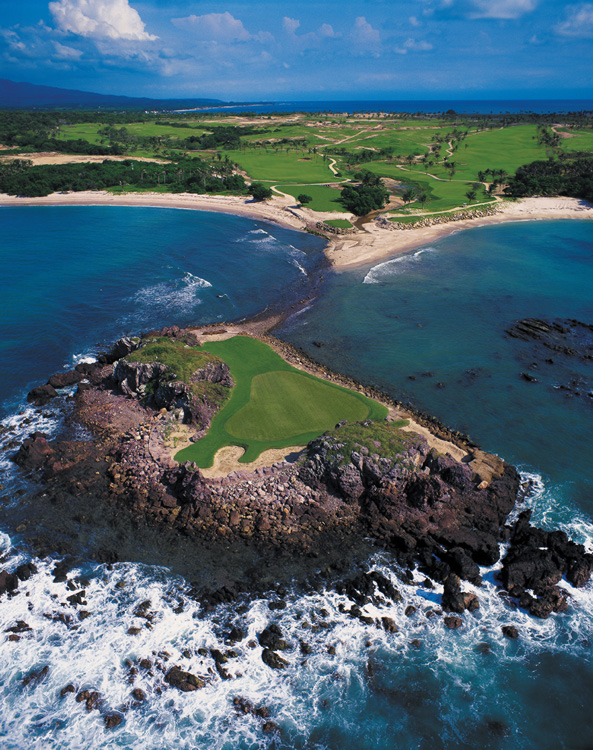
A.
pixel 303 49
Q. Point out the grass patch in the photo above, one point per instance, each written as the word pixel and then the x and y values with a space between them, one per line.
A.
pixel 273 405
pixel 339 223
pixel 324 198
pixel 276 165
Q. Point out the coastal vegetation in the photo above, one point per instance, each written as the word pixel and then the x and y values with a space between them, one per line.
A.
pixel 428 164
pixel 273 405
pixel 565 176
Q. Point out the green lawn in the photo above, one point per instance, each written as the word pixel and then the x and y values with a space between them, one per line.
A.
pixel 89 130
pixel 506 149
pixel 324 198
pixel 581 139
pixel 276 165
pixel 339 223
pixel 442 195
pixel 273 405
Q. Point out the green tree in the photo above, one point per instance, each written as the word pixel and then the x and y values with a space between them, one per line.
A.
pixel 408 195
pixel 304 198
pixel 259 191
pixel 471 195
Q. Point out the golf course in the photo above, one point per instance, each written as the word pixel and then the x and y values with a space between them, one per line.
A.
pixel 273 404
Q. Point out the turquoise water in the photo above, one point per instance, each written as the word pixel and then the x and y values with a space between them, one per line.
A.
pixel 439 316
pixel 78 277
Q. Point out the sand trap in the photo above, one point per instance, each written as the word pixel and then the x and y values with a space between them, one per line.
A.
pixel 227 460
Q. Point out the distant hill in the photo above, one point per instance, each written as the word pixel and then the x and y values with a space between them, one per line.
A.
pixel 15 95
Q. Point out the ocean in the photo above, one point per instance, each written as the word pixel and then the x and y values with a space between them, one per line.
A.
pixel 430 106
pixel 429 328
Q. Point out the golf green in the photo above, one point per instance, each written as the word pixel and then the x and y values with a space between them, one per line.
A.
pixel 273 405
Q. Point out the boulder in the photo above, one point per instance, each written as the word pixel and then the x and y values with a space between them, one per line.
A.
pixel 34 452
pixel 65 379
pixel 455 600
pixel 184 681
pixel 273 660
pixel 42 395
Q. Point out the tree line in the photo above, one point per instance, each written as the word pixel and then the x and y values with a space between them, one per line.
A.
pixel 565 176
pixel 21 177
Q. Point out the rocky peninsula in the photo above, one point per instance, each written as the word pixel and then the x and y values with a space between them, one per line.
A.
pixel 444 512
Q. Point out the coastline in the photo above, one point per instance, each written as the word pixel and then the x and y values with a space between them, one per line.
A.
pixel 381 244
pixel 370 245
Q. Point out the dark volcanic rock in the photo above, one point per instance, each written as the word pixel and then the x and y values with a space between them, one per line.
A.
pixel 35 678
pixel 34 452
pixel 510 631
pixel 184 681
pixel 8 582
pixel 65 379
pixel 112 720
pixel 273 660
pixel 536 561
pixel 456 600
pixel 271 638
pixel 42 394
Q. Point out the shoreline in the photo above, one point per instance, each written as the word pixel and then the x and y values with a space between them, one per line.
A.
pixel 368 246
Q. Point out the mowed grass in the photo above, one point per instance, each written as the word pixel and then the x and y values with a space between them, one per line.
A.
pixel 273 405
pixel 442 195
pixel 581 139
pixel 506 149
pixel 275 165
pixel 324 198
pixel 339 223
pixel 89 131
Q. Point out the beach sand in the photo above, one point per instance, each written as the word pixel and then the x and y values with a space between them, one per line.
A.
pixel 375 244
pixel 368 245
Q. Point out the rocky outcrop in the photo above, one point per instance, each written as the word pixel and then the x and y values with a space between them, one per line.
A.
pixel 357 481
pixel 156 384
pixel 536 562
pixel 429 221
pixel 426 505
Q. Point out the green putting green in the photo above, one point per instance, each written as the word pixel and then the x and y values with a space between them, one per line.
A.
pixel 285 404
pixel 273 405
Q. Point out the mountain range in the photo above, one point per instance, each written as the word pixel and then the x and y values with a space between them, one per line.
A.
pixel 19 95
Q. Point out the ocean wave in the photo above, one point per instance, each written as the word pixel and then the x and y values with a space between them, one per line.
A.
pixel 384 271
pixel 337 665
pixel 178 295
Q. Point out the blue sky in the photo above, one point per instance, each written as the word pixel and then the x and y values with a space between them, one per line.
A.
pixel 333 49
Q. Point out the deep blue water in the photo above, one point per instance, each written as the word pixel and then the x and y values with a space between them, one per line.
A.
pixel 488 106
pixel 86 275
pixel 77 277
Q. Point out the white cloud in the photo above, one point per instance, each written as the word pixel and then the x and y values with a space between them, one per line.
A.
pixel 66 53
pixel 364 35
pixel 327 31
pixel 413 45
pixel 100 19
pixel 414 21
pixel 503 9
pixel 579 22
pixel 214 27
pixel 290 24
